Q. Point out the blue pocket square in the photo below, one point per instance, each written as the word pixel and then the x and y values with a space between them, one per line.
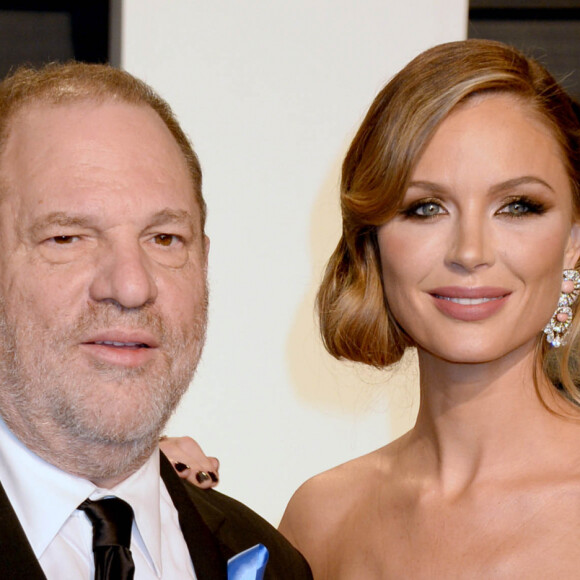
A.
pixel 249 564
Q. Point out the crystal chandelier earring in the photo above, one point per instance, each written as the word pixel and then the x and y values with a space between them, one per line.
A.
pixel 555 330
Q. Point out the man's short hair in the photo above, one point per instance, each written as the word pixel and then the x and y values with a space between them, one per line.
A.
pixel 74 82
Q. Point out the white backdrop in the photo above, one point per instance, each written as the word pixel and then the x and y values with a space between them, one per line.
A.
pixel 271 92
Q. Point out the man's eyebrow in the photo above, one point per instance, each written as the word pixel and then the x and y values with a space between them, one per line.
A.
pixel 167 216
pixel 59 218
pixel 178 217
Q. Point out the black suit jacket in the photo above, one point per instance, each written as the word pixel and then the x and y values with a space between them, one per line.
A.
pixel 215 527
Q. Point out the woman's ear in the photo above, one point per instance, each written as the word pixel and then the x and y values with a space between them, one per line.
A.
pixel 573 249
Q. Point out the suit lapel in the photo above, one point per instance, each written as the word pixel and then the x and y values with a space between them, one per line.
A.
pixel 17 560
pixel 203 547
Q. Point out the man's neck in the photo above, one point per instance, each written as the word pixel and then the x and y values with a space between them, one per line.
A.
pixel 104 463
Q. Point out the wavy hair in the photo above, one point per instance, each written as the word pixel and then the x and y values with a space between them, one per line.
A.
pixel 355 319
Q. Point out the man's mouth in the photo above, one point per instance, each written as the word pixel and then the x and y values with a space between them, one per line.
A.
pixel 121 344
pixel 122 338
pixel 121 347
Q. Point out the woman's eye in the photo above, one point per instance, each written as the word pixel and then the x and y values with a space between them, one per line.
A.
pixel 516 208
pixel 424 209
pixel 428 209
pixel 520 207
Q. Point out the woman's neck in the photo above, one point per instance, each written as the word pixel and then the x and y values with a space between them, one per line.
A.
pixel 480 421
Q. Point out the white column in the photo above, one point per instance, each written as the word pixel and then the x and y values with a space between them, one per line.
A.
pixel 271 92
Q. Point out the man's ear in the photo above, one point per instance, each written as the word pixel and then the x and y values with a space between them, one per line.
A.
pixel 206 250
pixel 573 249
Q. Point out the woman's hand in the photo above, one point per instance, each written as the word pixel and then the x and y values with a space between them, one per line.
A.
pixel 190 462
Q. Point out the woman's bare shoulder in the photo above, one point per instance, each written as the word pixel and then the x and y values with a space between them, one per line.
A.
pixel 320 506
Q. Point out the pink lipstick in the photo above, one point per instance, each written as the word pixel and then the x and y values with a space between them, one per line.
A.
pixel 469 304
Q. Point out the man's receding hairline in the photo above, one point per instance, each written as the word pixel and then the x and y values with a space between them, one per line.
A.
pixel 103 99
pixel 57 84
pixel 38 102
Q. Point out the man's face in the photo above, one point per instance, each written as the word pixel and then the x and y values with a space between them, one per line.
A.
pixel 102 274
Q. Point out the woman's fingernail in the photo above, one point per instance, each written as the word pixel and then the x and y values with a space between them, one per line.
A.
pixel 202 476
pixel 213 476
pixel 181 467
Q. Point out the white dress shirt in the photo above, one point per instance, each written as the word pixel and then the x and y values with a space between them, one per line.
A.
pixel 45 499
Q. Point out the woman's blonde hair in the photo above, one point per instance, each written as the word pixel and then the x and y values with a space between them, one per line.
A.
pixel 355 319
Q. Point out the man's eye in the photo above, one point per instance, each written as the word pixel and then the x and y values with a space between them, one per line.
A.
pixel 62 240
pixel 165 239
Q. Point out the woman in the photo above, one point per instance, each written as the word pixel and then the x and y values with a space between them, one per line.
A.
pixel 461 199
pixel 190 462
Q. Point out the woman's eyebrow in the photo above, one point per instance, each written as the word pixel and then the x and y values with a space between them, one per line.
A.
pixel 516 182
pixel 497 188
pixel 428 186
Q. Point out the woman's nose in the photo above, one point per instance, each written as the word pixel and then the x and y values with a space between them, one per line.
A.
pixel 471 245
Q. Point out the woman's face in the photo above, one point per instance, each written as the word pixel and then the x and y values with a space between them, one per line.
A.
pixel 472 263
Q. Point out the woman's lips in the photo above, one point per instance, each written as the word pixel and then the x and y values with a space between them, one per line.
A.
pixel 469 304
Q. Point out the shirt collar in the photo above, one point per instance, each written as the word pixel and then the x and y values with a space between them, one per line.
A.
pixel 29 480
pixel 142 491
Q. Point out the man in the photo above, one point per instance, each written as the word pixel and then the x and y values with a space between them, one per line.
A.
pixel 103 306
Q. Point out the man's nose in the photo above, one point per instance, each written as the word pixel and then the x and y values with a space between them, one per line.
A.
pixel 471 245
pixel 124 275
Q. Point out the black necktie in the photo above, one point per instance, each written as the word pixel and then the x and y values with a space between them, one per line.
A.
pixel 112 519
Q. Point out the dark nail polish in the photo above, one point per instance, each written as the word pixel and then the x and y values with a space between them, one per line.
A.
pixel 213 476
pixel 181 466
pixel 202 476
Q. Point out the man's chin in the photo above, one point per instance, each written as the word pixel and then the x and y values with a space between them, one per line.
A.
pixel 110 463
pixel 114 435
pixel 109 451
pixel 131 426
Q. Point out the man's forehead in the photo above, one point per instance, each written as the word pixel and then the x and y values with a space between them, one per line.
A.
pixel 42 131
pixel 109 135
pixel 93 146
pixel 40 114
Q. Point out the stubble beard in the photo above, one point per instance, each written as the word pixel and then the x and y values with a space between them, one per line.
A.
pixel 62 411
